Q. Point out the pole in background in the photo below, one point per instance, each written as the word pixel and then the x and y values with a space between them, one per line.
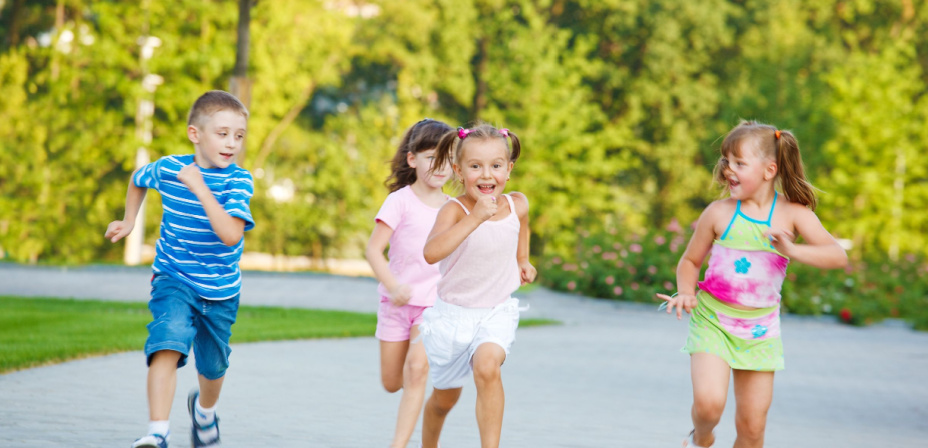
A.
pixel 143 127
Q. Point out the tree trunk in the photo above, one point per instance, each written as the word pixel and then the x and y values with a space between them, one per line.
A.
pixel 240 85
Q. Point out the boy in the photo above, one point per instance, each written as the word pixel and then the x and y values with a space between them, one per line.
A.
pixel 196 281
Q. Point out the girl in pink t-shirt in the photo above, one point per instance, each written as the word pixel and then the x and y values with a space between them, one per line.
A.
pixel 481 243
pixel 407 282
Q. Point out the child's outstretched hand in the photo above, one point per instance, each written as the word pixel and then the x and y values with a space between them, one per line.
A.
pixel 486 207
pixel 782 240
pixel 400 295
pixel 191 177
pixel 528 272
pixel 117 230
pixel 683 302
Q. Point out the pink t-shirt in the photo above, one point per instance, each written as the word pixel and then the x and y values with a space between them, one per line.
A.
pixel 411 221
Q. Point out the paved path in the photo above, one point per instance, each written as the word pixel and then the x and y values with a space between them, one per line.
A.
pixel 610 376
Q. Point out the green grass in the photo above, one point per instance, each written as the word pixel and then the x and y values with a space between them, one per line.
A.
pixel 40 331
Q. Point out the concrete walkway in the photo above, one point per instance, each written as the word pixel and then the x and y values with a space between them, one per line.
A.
pixel 610 376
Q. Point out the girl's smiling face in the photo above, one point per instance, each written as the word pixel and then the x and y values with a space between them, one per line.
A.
pixel 748 171
pixel 484 166
pixel 422 163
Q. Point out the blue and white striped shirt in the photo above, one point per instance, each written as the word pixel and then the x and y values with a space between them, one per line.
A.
pixel 189 250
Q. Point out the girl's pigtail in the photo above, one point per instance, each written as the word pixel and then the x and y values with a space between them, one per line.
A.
pixel 443 152
pixel 791 172
pixel 516 146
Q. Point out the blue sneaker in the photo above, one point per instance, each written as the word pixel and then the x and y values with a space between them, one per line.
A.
pixel 195 441
pixel 152 441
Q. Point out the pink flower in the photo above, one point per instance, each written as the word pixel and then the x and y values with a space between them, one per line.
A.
pixel 624 253
pixel 617 246
pixel 617 290
pixel 556 260
pixel 635 247
pixel 610 280
pixel 597 249
pixel 619 263
pixel 674 226
pixel 668 286
pixel 660 240
pixel 634 286
pixel 568 267
pixel 571 285
pixel 652 269
pixel 610 255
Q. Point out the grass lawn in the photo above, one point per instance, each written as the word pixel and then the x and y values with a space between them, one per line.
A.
pixel 39 331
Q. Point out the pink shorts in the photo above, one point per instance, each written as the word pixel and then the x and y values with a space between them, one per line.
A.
pixel 394 322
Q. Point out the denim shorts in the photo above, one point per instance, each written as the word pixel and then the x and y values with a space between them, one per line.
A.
pixel 183 319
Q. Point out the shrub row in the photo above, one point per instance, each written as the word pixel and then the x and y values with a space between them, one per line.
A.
pixel 634 267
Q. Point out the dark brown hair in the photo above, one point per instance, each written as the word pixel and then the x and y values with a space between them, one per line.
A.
pixel 449 148
pixel 422 136
pixel 211 102
pixel 778 145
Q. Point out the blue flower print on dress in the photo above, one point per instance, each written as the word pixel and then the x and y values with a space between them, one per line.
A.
pixel 758 331
pixel 742 265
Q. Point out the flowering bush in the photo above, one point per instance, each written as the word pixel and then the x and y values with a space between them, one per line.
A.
pixel 635 267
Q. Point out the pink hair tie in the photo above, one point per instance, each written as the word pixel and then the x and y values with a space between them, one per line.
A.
pixel 463 132
pixel 504 132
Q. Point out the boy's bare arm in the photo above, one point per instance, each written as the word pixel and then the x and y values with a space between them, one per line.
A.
pixel 229 228
pixel 117 230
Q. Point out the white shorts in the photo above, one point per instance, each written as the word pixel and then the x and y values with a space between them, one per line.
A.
pixel 451 335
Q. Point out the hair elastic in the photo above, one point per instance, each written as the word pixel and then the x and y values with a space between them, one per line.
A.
pixel 664 305
pixel 462 133
pixel 776 134
pixel 504 132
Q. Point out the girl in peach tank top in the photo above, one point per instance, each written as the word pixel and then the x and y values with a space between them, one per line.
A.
pixel 481 245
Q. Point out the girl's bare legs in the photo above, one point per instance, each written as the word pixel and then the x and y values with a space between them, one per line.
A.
pixel 414 376
pixel 162 382
pixel 491 400
pixel 710 376
pixel 392 359
pixel 753 395
pixel 436 409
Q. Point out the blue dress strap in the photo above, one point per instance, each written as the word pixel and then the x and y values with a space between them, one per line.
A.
pixel 737 212
pixel 772 206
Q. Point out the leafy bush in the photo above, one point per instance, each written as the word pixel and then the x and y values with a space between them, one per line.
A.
pixel 634 267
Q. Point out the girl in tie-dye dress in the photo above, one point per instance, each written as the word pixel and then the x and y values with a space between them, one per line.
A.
pixel 735 323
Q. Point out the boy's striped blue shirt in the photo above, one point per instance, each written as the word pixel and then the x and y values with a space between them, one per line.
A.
pixel 189 250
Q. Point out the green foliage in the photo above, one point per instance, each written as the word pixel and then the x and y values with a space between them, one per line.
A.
pixel 620 105
pixel 633 267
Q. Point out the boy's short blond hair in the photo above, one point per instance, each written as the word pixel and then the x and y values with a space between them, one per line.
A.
pixel 211 102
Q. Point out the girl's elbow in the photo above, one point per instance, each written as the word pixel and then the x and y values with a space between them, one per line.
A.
pixel 430 256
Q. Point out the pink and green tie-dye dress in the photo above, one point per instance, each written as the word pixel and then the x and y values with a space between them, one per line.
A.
pixel 744 269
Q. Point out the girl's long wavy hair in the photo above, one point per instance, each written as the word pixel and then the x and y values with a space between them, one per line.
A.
pixel 778 145
pixel 422 136
pixel 449 148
